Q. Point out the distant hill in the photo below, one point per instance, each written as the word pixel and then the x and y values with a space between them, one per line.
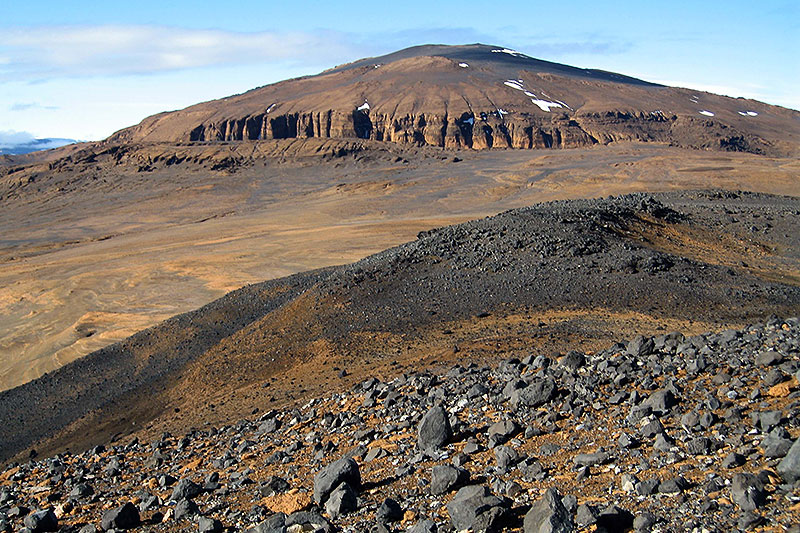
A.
pixel 35 146
pixel 479 96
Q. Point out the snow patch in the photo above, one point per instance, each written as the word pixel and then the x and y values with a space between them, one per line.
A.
pixel 502 112
pixel 363 107
pixel 707 113
pixel 509 52
pixel 514 84
pixel 544 105
pixel 271 107
pixel 748 113
pixel 528 93
pixel 565 105
pixel 463 65
pixel 378 65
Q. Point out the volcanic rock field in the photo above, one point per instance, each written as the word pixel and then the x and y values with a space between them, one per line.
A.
pixel 664 433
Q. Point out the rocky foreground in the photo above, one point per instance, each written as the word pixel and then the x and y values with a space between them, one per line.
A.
pixel 666 433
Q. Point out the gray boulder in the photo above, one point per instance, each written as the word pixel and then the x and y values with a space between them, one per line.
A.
pixel 534 395
pixel 341 501
pixel 344 470
pixel 789 467
pixel 474 507
pixel 434 429
pixel 445 478
pixel 122 517
pixel 43 520
pixel 548 515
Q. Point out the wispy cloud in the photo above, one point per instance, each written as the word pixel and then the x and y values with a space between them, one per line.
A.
pixel 27 106
pixel 45 52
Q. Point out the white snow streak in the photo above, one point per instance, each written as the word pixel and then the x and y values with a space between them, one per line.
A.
pixel 364 106
pixel 463 65
pixel 707 113
pixel 270 108
pixel 544 105
pixel 509 52
pixel 748 113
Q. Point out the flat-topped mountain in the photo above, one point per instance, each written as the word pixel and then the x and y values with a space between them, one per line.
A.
pixel 479 96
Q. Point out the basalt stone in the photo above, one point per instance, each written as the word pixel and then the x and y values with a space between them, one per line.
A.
pixel 661 401
pixel 536 394
pixel 185 509
pixel 591 459
pixel 614 518
pixel 423 526
pixel 344 470
pixel 573 360
pixel 42 520
pixel 122 517
pixel 209 525
pixel 274 524
pixel 503 430
pixel 747 491
pixel 445 478
pixel 434 429
pixel 474 507
pixel 341 501
pixel 548 515
pixel 389 511
pixel 506 457
pixel 186 489
pixel 789 467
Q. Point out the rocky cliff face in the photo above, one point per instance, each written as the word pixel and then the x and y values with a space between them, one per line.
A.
pixel 486 130
pixel 479 97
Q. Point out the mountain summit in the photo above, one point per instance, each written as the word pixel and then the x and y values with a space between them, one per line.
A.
pixel 479 96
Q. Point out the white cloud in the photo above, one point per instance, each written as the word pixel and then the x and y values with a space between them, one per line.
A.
pixel 46 52
pixel 14 138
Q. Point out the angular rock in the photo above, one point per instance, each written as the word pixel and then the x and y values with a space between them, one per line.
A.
pixel 423 526
pixel 789 467
pixel 42 520
pixel 591 459
pixel 185 509
pixel 389 511
pixel 274 524
pixel 534 395
pixel 344 470
pixel 209 525
pixel 474 507
pixel 661 401
pixel 122 517
pixel 186 489
pixel 434 429
pixel 341 501
pixel 614 518
pixel 501 431
pixel 548 515
pixel 747 491
pixel 445 478
pixel 506 457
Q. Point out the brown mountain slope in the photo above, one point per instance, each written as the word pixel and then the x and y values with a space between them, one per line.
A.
pixel 103 243
pixel 541 278
pixel 479 96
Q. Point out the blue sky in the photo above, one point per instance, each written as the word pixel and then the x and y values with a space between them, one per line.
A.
pixel 83 69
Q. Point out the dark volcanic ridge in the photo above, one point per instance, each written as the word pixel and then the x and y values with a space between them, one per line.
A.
pixel 479 97
pixel 664 433
pixel 552 276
